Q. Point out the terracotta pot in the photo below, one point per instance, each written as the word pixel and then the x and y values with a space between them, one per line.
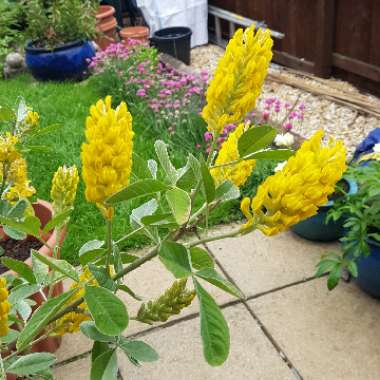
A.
pixel 106 25
pixel 138 33
pixel 44 211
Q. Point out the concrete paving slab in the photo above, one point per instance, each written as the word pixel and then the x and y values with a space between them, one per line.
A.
pixel 258 263
pixel 326 335
pixel 72 345
pixel 78 370
pixel 252 355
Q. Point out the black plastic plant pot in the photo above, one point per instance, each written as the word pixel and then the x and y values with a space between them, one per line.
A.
pixel 66 62
pixel 174 41
pixel 316 229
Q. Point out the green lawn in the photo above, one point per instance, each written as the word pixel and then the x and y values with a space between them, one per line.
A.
pixel 66 104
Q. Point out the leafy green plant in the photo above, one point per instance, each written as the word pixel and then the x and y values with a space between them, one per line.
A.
pixel 56 22
pixel 361 212
pixel 10 36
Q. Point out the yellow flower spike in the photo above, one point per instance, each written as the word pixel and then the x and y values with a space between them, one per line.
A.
pixel 32 119
pixel 238 78
pixel 17 179
pixel 299 189
pixel 64 187
pixel 107 153
pixel 237 173
pixel 5 306
pixel 8 149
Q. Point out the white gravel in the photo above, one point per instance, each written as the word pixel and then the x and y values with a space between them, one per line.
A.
pixel 337 120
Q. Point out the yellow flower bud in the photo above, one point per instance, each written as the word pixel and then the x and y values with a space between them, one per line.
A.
pixel 4 307
pixel 17 180
pixel 64 187
pixel 32 119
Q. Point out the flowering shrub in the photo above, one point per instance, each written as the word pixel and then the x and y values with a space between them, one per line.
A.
pixel 168 101
pixel 176 201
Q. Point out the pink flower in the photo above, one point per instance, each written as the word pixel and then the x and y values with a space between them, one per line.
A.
pixel 288 126
pixel 265 115
pixel 194 90
pixel 141 92
pixel 208 136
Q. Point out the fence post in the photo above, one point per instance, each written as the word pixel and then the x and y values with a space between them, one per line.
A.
pixel 324 34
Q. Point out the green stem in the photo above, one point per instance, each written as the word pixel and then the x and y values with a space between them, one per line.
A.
pixel 109 243
pixel 129 235
pixel 213 238
pixel 2 369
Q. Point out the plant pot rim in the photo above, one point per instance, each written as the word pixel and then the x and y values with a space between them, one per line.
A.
pixel 29 48
pixel 184 30
pixel 104 11
pixel 133 31
pixel 108 25
pixel 352 189
pixel 51 238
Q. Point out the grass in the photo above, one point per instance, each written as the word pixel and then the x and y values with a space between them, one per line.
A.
pixel 67 104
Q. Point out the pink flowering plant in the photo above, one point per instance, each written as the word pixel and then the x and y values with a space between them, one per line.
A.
pixel 168 100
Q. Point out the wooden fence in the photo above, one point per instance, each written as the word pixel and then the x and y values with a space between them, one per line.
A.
pixel 324 37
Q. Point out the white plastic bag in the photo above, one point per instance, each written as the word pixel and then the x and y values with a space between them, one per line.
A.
pixel 164 13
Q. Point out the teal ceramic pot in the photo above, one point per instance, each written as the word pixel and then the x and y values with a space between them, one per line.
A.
pixel 369 271
pixel 316 229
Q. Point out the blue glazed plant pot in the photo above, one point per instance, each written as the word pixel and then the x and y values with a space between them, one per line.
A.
pixel 66 62
pixel 316 229
pixel 369 271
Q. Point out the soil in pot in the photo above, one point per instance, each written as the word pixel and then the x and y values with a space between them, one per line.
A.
pixel 18 249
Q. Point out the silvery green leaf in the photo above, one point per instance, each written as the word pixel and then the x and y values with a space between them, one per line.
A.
pixel 152 166
pixel 148 208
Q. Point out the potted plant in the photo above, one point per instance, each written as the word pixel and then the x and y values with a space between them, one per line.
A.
pixel 173 202
pixel 361 242
pixel 16 207
pixel 321 228
pixel 60 34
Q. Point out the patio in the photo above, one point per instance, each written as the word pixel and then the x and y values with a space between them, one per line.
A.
pixel 288 327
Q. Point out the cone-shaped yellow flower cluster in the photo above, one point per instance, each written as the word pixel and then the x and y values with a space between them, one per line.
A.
pixel 18 183
pixel 8 150
pixel 238 78
pixel 32 119
pixel 64 188
pixel 70 322
pixel 4 307
pixel 13 170
pixel 107 155
pixel 237 173
pixel 296 192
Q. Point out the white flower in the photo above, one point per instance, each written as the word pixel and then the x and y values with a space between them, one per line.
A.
pixel 286 140
pixel 280 166
pixel 376 148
